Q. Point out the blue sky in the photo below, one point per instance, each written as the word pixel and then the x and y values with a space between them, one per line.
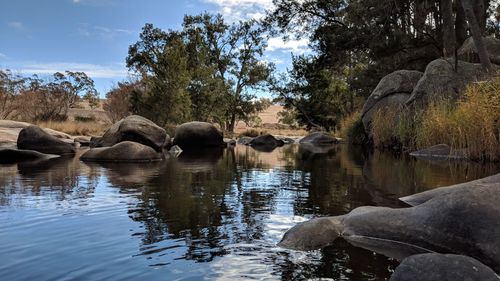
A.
pixel 93 36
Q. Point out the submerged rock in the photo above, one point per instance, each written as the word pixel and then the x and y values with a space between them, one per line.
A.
pixel 461 220
pixel 439 151
pixel 126 151
pixel 319 138
pixel 12 155
pixel 438 267
pixel 34 138
pixel 175 151
pixel 195 135
pixel 133 128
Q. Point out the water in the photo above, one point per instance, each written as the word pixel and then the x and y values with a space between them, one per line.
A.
pixel 215 216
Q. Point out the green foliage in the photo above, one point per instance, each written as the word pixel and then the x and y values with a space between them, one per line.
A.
pixel 320 97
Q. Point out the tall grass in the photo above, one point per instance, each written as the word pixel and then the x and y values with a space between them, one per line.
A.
pixel 471 124
pixel 352 129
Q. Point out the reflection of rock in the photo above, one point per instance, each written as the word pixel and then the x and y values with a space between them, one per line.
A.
pixel 201 159
pixel 11 155
pixel 307 150
pixel 197 135
pixel 230 142
pixel 34 138
pixel 266 143
pixel 126 151
pixel 439 151
pixel 462 221
pixel 319 139
pixel 129 174
pixel 438 267
pixel 136 129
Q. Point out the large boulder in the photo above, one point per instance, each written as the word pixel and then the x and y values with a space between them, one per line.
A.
pixel 468 51
pixel 438 267
pixel 125 151
pixel 197 135
pixel 9 131
pixel 35 138
pixel 319 138
pixel 266 143
pixel 441 80
pixel 12 155
pixel 391 92
pixel 462 221
pixel 133 128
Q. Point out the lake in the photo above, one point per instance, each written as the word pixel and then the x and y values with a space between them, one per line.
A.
pixel 213 215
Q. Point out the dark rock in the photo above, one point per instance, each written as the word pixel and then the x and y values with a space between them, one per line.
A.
pixel 12 155
pixel 133 128
pixel 126 151
pixel 391 92
pixel 462 221
pixel 439 151
pixel 441 81
pixel 245 140
pixel 319 138
pixel 195 135
pixel 34 138
pixel 266 143
pixel 438 267
pixel 469 53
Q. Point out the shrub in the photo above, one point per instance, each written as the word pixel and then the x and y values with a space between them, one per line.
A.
pixel 252 133
pixel 85 119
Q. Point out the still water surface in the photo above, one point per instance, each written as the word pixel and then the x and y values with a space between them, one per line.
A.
pixel 212 216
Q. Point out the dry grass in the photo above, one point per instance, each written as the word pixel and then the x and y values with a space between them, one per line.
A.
pixel 383 126
pixel 472 124
pixel 76 128
pixel 274 132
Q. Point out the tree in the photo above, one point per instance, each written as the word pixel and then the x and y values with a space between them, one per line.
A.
pixel 117 103
pixel 474 12
pixel 209 70
pixel 160 58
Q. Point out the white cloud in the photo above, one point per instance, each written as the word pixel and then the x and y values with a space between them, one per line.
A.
pixel 92 70
pixel 107 33
pixel 234 10
pixel 16 25
pixel 3 56
pixel 296 46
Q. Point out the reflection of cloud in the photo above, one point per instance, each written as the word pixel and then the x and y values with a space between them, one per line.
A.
pixel 296 46
pixel 92 70
pixel 234 10
pixel 259 259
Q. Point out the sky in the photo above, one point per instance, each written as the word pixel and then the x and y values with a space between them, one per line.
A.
pixel 43 37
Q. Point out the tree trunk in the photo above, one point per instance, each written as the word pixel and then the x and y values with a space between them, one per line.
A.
pixel 480 12
pixel 477 35
pixel 232 124
pixel 448 30
pixel 460 23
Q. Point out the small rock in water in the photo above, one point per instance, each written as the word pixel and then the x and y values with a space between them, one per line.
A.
pixel 175 151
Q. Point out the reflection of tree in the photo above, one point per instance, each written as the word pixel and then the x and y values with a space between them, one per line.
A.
pixel 56 179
